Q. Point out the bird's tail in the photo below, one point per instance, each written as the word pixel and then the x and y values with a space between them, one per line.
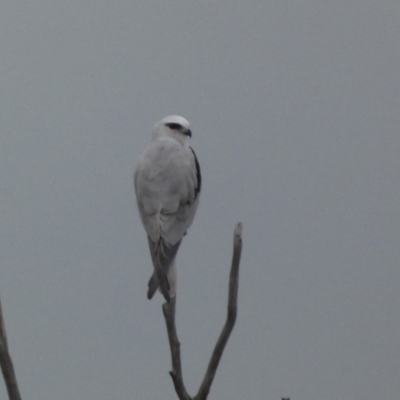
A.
pixel 164 276
pixel 171 280
pixel 153 285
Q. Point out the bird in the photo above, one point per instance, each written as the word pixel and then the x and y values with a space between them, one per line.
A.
pixel 167 181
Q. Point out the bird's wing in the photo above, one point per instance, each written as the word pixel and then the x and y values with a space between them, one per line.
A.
pixel 168 193
pixel 176 219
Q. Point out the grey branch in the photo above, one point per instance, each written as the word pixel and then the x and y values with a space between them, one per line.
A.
pixel 6 363
pixel 169 315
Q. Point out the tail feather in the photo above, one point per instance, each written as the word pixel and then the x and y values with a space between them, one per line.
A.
pixel 162 256
pixel 171 280
pixel 153 285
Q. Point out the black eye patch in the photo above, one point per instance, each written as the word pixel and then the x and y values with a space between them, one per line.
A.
pixel 174 126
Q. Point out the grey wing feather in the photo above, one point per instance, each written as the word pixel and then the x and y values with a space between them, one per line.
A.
pixel 174 225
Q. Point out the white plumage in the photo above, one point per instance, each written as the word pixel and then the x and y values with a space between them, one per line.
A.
pixel 167 184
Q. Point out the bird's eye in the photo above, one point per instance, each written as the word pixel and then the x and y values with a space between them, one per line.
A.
pixel 174 126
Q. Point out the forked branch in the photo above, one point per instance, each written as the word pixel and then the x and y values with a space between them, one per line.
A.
pixel 6 363
pixel 169 315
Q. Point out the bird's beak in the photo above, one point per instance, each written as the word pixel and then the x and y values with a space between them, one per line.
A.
pixel 188 133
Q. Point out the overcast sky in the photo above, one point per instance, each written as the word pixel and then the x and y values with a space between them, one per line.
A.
pixel 295 112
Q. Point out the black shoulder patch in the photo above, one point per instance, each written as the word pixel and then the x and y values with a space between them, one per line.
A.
pixel 198 174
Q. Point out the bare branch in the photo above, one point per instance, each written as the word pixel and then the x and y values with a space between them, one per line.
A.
pixel 6 363
pixel 176 373
pixel 231 317
pixel 169 315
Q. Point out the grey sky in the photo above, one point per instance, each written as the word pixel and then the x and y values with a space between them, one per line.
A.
pixel 294 108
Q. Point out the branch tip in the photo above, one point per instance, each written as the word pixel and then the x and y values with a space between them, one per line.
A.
pixel 238 229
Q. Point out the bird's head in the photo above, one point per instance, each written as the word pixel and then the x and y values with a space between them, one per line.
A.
pixel 173 126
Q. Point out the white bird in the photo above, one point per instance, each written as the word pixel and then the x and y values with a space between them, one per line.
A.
pixel 167 184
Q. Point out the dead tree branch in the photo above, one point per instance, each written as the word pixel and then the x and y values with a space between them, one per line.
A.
pixel 6 363
pixel 169 315
pixel 174 344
